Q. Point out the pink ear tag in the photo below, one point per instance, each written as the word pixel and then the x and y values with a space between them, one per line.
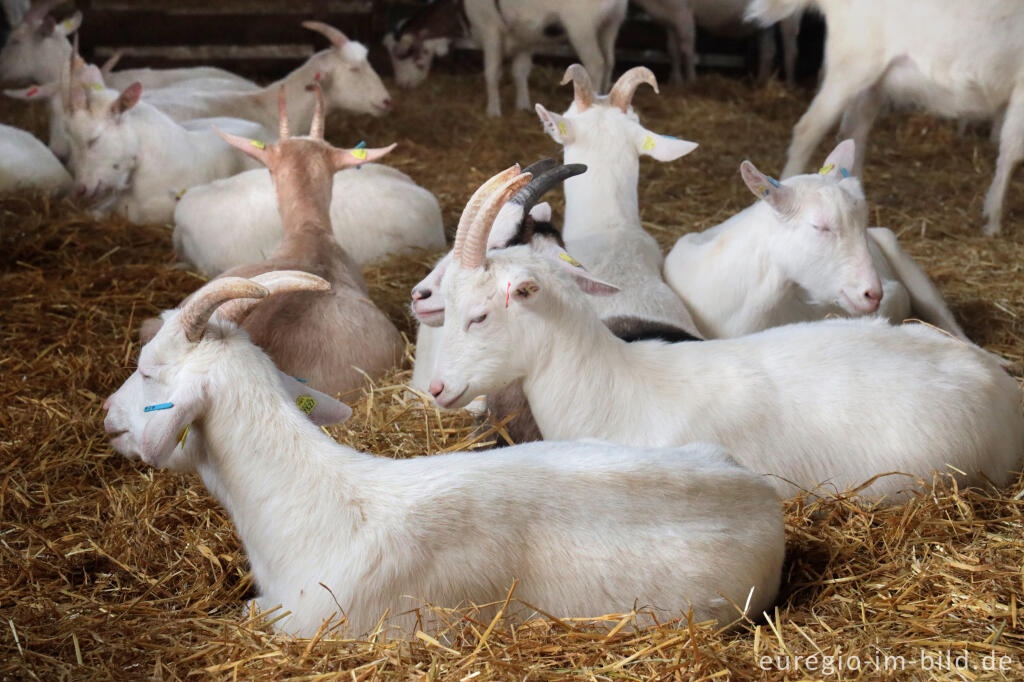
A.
pixel 508 292
pixel 32 92
pixel 317 76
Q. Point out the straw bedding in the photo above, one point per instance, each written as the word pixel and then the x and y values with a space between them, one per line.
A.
pixel 111 570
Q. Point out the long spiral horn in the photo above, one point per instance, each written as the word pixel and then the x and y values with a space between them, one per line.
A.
pixel 622 92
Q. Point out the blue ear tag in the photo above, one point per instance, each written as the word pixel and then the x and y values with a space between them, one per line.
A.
pixel 845 172
pixel 158 406
pixel 773 181
pixel 300 380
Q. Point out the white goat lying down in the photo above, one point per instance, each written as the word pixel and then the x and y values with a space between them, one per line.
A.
pixel 335 338
pixel 376 211
pixel 26 163
pixel 507 29
pixel 803 252
pixel 954 59
pixel 327 528
pixel 38 47
pixel 520 221
pixel 822 406
pixel 343 72
pixel 134 160
pixel 602 215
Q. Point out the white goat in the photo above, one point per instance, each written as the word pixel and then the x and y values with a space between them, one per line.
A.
pixel 376 211
pixel 510 29
pixel 343 72
pixel 135 160
pixel 954 59
pixel 329 529
pixel 26 163
pixel 803 252
pixel 820 405
pixel 602 216
pixel 725 18
pixel 38 47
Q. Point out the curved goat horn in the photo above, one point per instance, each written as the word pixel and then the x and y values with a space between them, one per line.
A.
pixel 284 129
pixel 543 182
pixel 622 92
pixel 275 282
pixel 474 250
pixel 196 312
pixel 316 128
pixel 582 86
pixel 474 204
pixel 540 166
pixel 337 38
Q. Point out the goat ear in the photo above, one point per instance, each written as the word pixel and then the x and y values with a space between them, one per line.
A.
pixel 34 92
pixel 128 98
pixel 46 27
pixel 840 161
pixel 254 148
pixel 661 147
pixel 70 25
pixel 345 158
pixel 164 427
pixel 149 329
pixel 322 409
pixel 541 212
pixel 558 127
pixel 523 289
pixel 778 196
pixel 584 280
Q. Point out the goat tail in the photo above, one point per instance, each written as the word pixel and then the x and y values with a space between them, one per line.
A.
pixel 768 12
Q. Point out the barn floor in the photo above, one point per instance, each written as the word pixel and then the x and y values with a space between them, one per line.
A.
pixel 111 570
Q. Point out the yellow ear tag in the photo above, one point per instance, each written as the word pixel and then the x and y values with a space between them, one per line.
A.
pixel 359 153
pixel 183 435
pixel 98 87
pixel 569 259
pixel 181 193
pixel 306 404
pixel 257 144
pixel 763 190
pixel 561 128
pixel 825 170
pixel 648 144
pixel 68 24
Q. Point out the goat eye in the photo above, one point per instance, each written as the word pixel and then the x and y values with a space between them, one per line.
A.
pixel 478 319
pixel 117 166
pixel 821 228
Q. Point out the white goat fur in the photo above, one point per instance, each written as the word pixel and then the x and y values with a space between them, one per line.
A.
pixel 802 252
pixel 38 47
pixel 602 216
pixel 517 28
pixel 954 59
pixel 346 77
pixel 829 403
pixel 376 211
pixel 720 17
pixel 326 527
pixel 136 159
pixel 184 77
pixel 26 163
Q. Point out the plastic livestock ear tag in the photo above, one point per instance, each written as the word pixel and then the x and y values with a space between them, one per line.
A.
pixel 648 144
pixel 359 153
pixel 561 128
pixel 317 76
pixel 305 403
pixel 301 381
pixel 257 144
pixel 569 259
pixel 180 193
pixel 845 172
pixel 98 87
pixel 825 170
pixel 158 406
pixel 508 292
pixel 68 24
pixel 183 435
pixel 32 92
pixel 772 181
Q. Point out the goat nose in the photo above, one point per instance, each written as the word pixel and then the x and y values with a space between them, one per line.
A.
pixel 874 295
pixel 420 294
pixel 436 387
pixel 106 403
pixel 386 103
pixel 81 190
